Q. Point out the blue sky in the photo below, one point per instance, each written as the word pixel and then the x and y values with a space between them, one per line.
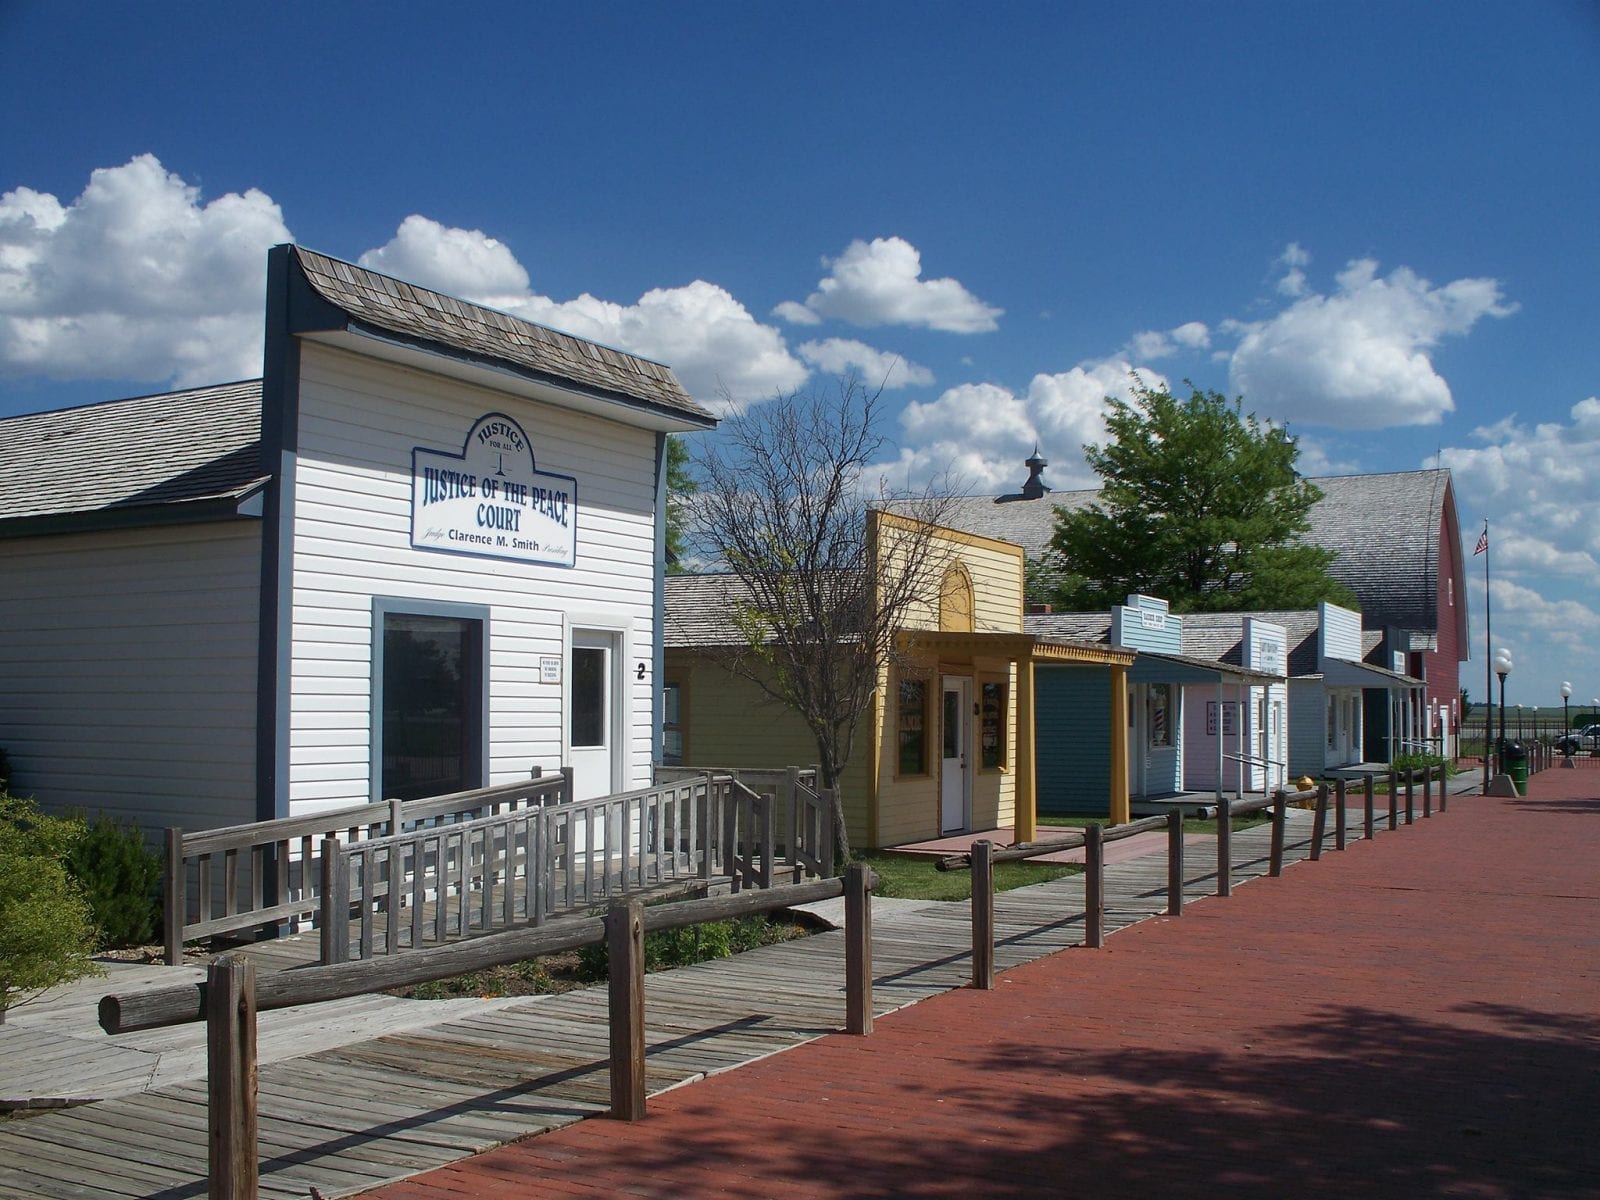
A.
pixel 1374 221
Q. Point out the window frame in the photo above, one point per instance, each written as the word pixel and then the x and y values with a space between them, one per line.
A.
pixel 383 607
pixel 1003 718
pixel 919 680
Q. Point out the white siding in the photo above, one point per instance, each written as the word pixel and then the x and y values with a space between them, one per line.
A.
pixel 1339 633
pixel 129 668
pixel 359 422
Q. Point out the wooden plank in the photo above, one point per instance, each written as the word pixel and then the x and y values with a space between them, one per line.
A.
pixel 625 955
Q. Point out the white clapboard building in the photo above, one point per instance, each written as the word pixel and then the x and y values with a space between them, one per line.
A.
pixel 420 554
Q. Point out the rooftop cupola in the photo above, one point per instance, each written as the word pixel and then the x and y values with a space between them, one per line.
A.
pixel 1036 486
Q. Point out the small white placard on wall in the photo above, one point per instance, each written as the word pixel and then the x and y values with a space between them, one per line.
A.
pixel 549 668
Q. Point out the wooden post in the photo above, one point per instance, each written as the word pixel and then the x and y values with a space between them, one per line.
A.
pixel 1319 822
pixel 1175 863
pixel 1366 813
pixel 625 966
pixel 1094 887
pixel 1411 798
pixel 232 1165
pixel 1444 789
pixel 1394 800
pixel 1427 793
pixel 1339 819
pixel 1224 847
pixel 983 914
pixel 1280 818
pixel 176 910
pixel 857 950
pixel 708 827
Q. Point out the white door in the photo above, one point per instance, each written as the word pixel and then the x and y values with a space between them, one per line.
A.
pixel 955 787
pixel 592 725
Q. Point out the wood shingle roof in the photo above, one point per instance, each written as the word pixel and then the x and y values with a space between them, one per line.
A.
pixel 387 305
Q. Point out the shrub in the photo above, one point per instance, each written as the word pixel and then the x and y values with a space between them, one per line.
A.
pixel 1418 762
pixel 121 878
pixel 666 948
pixel 46 931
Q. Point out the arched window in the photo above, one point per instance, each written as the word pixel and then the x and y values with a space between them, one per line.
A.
pixel 955 601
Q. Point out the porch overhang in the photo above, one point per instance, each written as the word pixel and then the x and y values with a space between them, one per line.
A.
pixel 1155 667
pixel 1019 647
pixel 1339 672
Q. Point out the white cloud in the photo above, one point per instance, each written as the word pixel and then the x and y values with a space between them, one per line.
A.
pixel 1151 344
pixel 709 339
pixel 454 261
pixel 1293 260
pixel 840 356
pixel 880 283
pixel 1358 358
pixel 1539 491
pixel 135 279
pixel 981 432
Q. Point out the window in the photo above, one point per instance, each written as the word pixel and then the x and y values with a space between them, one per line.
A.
pixel 430 731
pixel 992 725
pixel 912 720
pixel 671 725
pixel 588 715
pixel 1333 723
pixel 1159 701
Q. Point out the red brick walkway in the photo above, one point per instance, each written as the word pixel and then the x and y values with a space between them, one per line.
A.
pixel 1416 1017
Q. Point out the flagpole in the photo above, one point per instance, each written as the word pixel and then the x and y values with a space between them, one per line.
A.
pixel 1488 660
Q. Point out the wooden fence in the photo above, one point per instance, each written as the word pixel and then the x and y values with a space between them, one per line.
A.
pixel 246 880
pixel 231 996
pixel 440 883
pixel 415 872
pixel 1094 838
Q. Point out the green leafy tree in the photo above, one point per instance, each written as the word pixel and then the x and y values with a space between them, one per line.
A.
pixel 681 487
pixel 46 931
pixel 1200 504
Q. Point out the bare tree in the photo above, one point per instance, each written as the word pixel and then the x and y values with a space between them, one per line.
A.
pixel 822 582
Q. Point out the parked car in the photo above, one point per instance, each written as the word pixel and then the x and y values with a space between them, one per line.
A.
pixel 1577 739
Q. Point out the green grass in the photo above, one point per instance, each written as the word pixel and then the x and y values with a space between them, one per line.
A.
pixel 907 877
pixel 1190 824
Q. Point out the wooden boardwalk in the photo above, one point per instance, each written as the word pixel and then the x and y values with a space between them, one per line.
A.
pixel 346 1117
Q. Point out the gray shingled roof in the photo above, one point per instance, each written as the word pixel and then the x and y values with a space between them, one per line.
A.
pixel 700 608
pixel 175 447
pixel 381 303
pixel 1384 529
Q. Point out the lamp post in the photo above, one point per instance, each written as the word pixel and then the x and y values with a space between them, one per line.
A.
pixel 1519 722
pixel 1501 785
pixel 1566 724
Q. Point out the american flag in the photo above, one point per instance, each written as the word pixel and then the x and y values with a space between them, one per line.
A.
pixel 1483 542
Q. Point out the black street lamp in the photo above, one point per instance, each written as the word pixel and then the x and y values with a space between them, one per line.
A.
pixel 1502 668
pixel 1566 723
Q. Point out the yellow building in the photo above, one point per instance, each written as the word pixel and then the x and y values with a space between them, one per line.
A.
pixel 946 745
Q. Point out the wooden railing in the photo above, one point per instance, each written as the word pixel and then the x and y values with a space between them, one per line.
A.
pixel 436 884
pixel 244 880
pixel 231 996
pixel 380 878
pixel 983 857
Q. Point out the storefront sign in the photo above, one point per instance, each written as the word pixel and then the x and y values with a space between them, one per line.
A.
pixel 489 499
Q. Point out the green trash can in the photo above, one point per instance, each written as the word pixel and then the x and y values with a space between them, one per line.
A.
pixel 1515 756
